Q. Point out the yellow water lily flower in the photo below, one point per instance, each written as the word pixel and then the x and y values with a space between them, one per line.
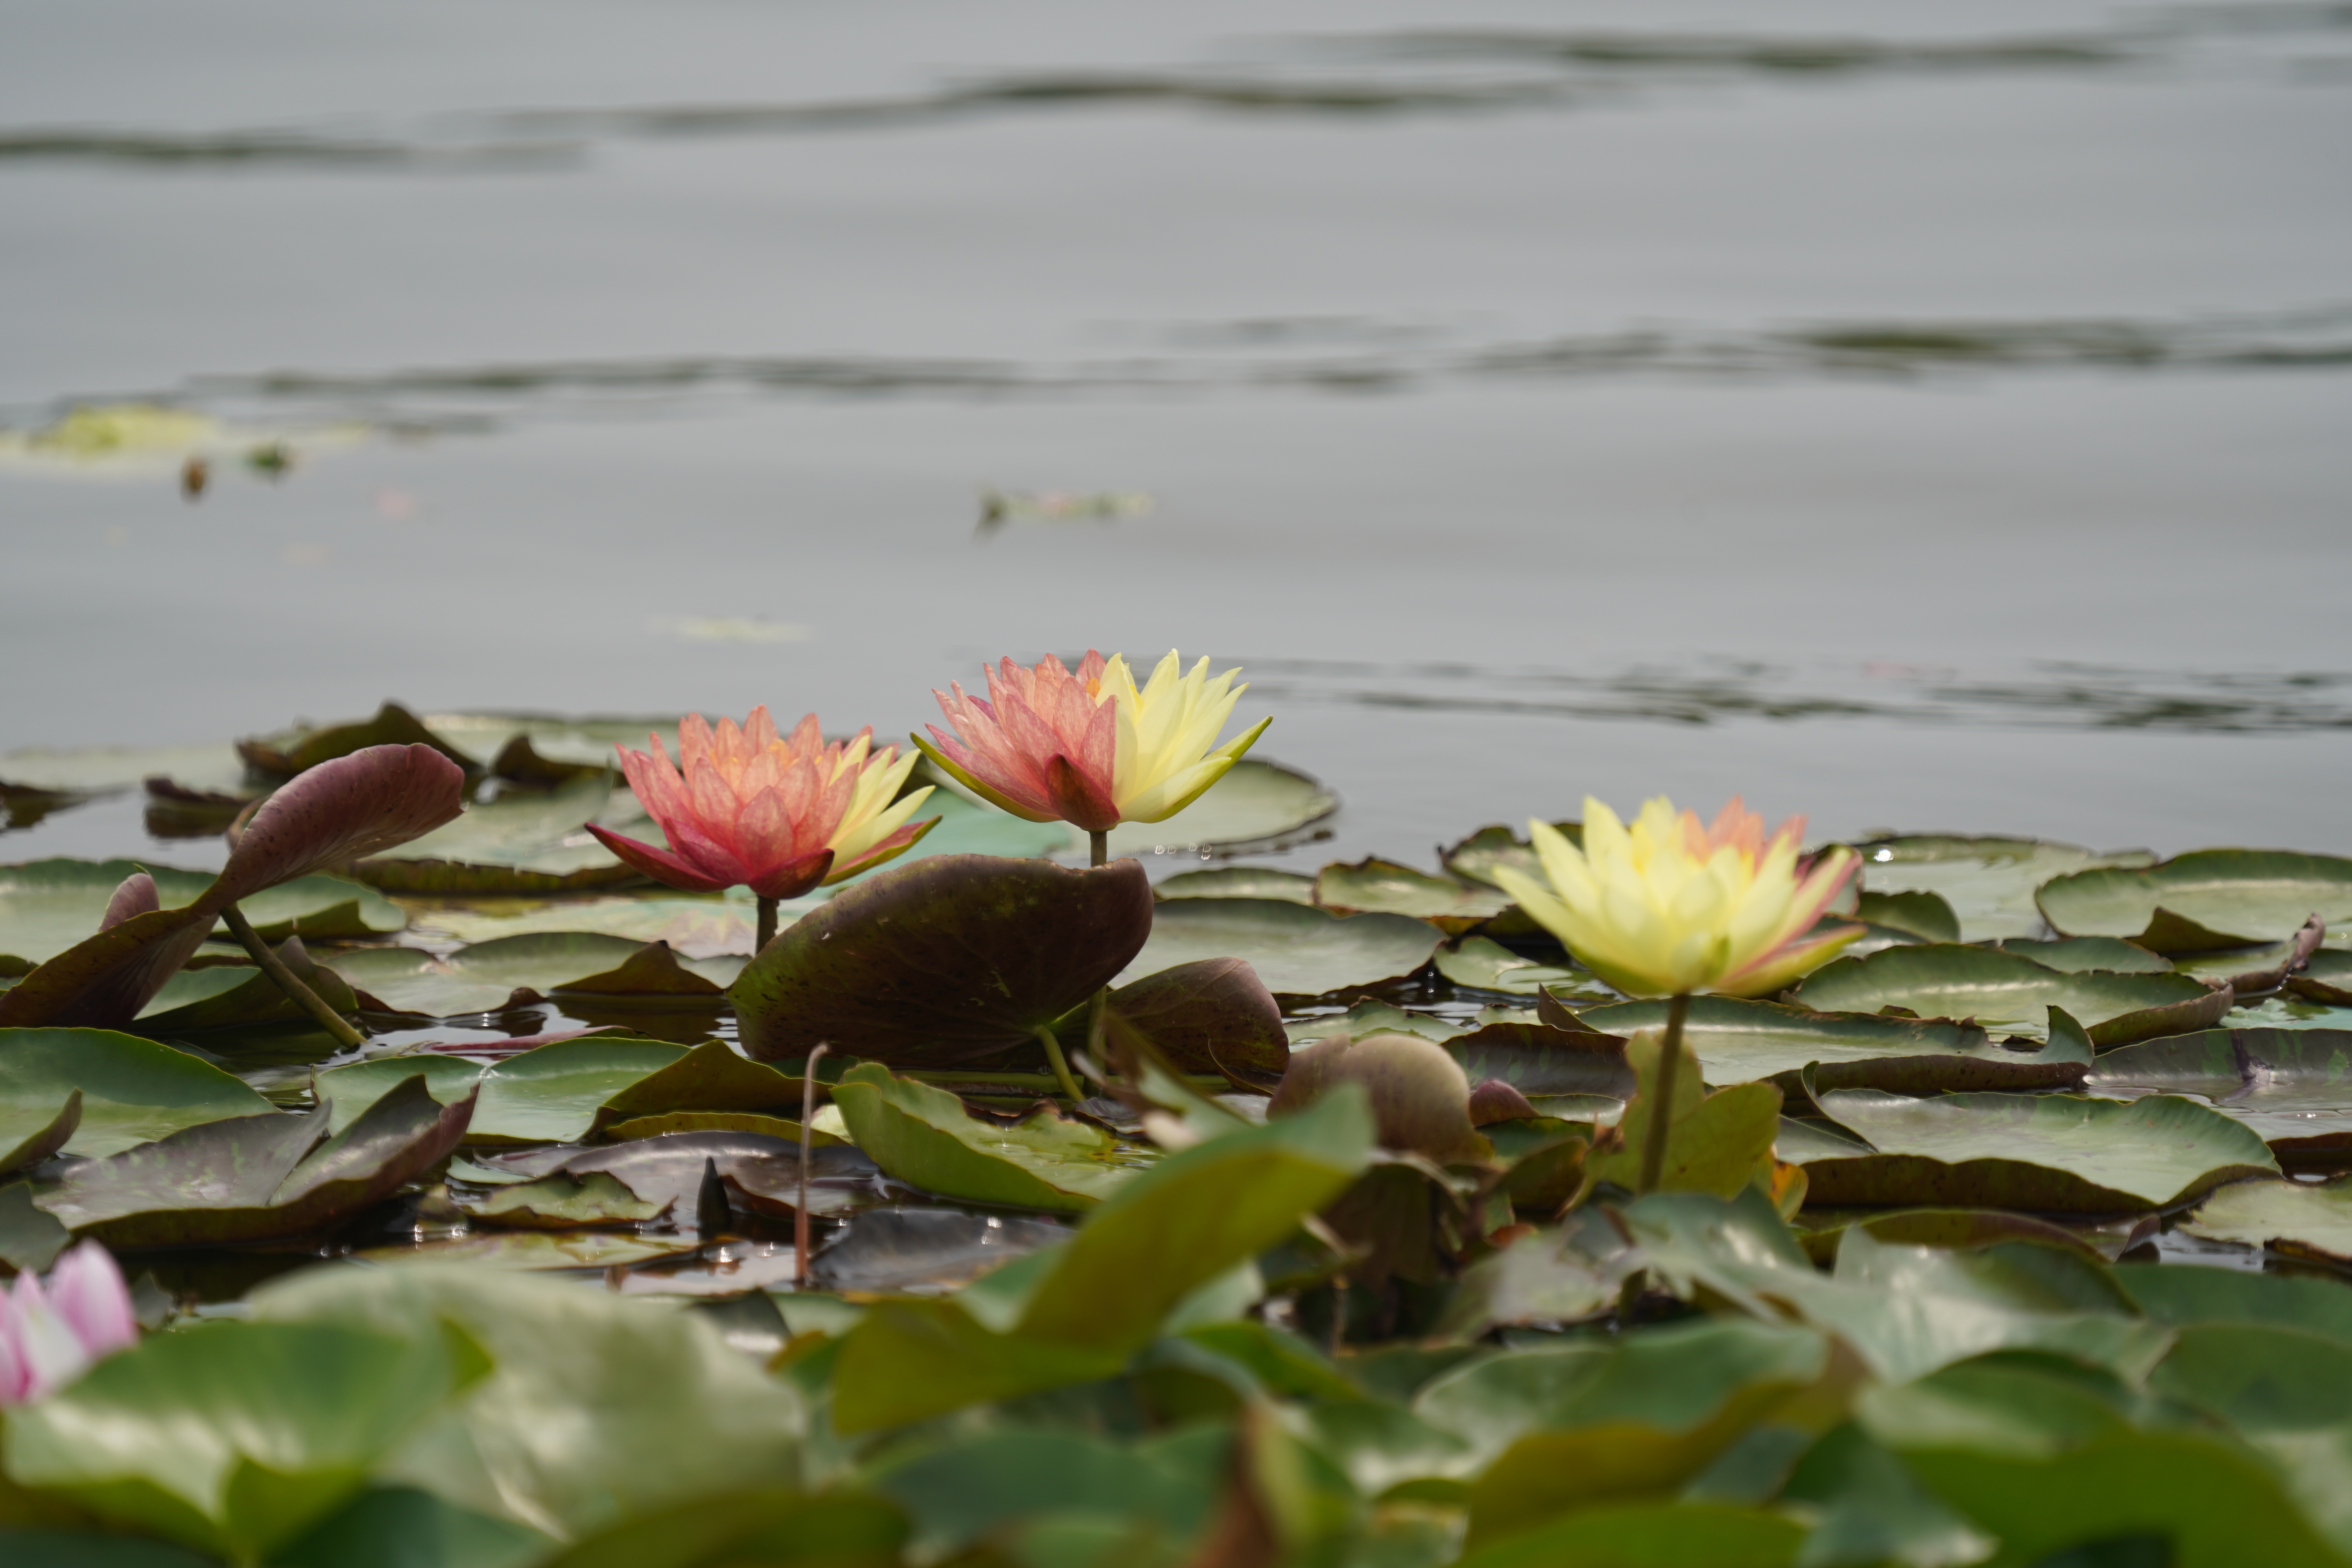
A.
pixel 1669 907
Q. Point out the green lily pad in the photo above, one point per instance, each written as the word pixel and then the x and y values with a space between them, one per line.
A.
pixel 30 1238
pixel 669 1121
pixel 1238 882
pixel 534 1250
pixel 925 1138
pixel 1741 1041
pixel 697 926
pixel 30 1133
pixel 1988 882
pixel 1924 915
pixel 344 1092
pixel 2077 954
pixel 254 1001
pixel 552 1094
pixel 1476 859
pixel 538 1440
pixel 1375 886
pixel 949 959
pixel 234 1437
pixel 2327 977
pixel 483 977
pixel 2009 991
pixel 709 1078
pixel 563 1203
pixel 1371 1015
pixel 522 842
pixel 2304 1217
pixel 1477 963
pixel 2292 1087
pixel 49 905
pixel 256 1178
pixel 1295 949
pixel 1257 805
pixel 2054 1153
pixel 2204 900
pixel 132 1090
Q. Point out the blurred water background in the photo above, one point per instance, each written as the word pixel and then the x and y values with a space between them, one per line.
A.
pixel 1924 417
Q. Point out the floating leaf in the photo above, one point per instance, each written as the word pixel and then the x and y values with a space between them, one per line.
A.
pixel 521 842
pixel 2204 900
pixel 344 1092
pixel 953 959
pixel 1741 1041
pixel 49 905
pixel 1924 915
pixel 1544 1063
pixel 234 1437
pixel 530 1250
pixel 1238 882
pixel 256 1178
pixel 1477 964
pixel 643 1127
pixel 709 1078
pixel 762 1173
pixel 132 1090
pixel 1988 883
pixel 2077 954
pixel 30 1238
pixel 563 1203
pixel 552 1095
pixel 1296 951
pixel 2173 1295
pixel 536 1441
pixel 2292 1087
pixel 2327 977
pixel 1717 1142
pixel 30 1133
pixel 925 1138
pixel 2314 1219
pixel 2056 1154
pixel 1375 886
pixel 1476 857
pixel 256 1000
pixel 2011 992
pixel 296 751
pixel 1257 805
pixel 701 927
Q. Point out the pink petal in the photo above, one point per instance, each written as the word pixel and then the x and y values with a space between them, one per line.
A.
pixel 662 867
pixel 136 896
pixel 88 1291
pixel 796 876
pixel 1080 803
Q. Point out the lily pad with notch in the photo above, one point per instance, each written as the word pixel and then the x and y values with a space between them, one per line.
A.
pixel 132 1090
pixel 1988 882
pixel 551 1094
pixel 257 1178
pixel 1259 805
pixel 1480 963
pixel 2042 1153
pixel 2205 900
pixel 2012 993
pixel 2292 1087
pixel 946 962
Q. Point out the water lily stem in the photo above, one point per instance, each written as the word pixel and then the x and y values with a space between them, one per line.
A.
pixel 302 995
pixel 800 1206
pixel 1662 1115
pixel 1098 854
pixel 766 932
pixel 1061 1065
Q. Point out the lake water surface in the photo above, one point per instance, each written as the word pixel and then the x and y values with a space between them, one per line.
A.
pixel 1931 417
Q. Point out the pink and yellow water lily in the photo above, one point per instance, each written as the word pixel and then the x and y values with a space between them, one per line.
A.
pixel 1671 906
pixel 744 807
pixel 1089 747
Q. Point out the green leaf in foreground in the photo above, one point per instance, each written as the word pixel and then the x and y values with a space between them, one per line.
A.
pixel 2204 900
pixel 536 1441
pixel 132 1089
pixel 2053 1152
pixel 1296 951
pixel 2011 994
pixel 1652 1536
pixel 762 1525
pixel 234 1437
pixel 1098 1300
pixel 924 1137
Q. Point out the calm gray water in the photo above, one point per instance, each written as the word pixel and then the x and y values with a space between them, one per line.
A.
pixel 1922 417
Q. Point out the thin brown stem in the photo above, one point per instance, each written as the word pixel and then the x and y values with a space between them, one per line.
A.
pixel 1662 1115
pixel 1099 854
pixel 1099 847
pixel 800 1206
pixel 767 928
pixel 1061 1064
pixel 302 995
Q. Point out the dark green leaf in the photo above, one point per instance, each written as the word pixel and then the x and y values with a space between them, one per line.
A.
pixel 1475 857
pixel 774 1525
pixel 924 1137
pixel 1923 914
pixel 1741 1041
pixel 400 1527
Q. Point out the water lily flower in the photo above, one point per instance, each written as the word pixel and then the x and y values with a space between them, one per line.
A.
pixel 48 1337
pixel 1090 748
pixel 778 816
pixel 1668 906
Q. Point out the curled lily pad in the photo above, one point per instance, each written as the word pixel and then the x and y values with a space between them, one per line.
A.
pixel 1741 1041
pixel 1202 1017
pixel 2252 971
pixel 924 1137
pixel 1238 882
pixel 1257 805
pixel 132 1090
pixel 950 960
pixel 2327 976
pixel 2011 992
pixel 292 752
pixel 1988 882
pixel 1474 858
pixel 1384 887
pixel 2204 900
pixel 256 1178
pixel 2313 1219
pixel 1477 964
pixel 2056 1154
pixel 709 1078
pixel 251 999
pixel 1295 949
pixel 2292 1087
pixel 1925 915
pixel 30 1133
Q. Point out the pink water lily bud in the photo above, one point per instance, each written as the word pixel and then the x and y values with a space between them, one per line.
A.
pixel 744 807
pixel 1089 747
pixel 49 1336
